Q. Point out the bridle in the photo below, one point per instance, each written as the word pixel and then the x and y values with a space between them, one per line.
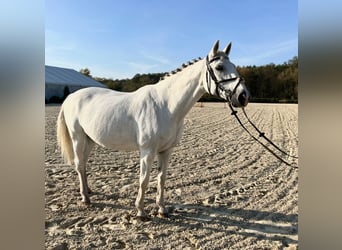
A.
pixel 210 75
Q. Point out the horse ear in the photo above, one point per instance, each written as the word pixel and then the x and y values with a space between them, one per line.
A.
pixel 214 49
pixel 227 49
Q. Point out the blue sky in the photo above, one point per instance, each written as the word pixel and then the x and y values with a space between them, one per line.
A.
pixel 117 39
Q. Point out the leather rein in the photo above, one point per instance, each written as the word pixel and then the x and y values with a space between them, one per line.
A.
pixel 210 75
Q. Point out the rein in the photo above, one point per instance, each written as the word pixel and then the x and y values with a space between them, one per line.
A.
pixel 261 134
pixel 229 94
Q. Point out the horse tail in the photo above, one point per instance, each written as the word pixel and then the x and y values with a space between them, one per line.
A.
pixel 64 139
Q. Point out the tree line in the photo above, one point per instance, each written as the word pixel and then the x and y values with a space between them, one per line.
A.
pixel 267 83
pixel 272 83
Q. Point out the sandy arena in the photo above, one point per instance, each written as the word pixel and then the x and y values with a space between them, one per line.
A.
pixel 223 190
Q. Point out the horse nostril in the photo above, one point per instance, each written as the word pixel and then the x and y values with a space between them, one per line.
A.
pixel 242 98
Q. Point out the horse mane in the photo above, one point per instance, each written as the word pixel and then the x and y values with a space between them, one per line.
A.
pixel 184 65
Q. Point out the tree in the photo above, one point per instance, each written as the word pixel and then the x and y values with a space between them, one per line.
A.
pixel 85 72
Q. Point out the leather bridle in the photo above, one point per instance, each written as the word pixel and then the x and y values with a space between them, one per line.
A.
pixel 210 75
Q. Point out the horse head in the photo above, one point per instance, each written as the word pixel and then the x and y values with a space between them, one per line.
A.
pixel 222 78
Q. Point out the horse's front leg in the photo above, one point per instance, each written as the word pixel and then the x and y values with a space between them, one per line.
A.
pixel 163 162
pixel 146 160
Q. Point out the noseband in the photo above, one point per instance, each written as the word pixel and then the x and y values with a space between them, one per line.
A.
pixel 210 75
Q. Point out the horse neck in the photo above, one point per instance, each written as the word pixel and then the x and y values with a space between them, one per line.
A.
pixel 183 89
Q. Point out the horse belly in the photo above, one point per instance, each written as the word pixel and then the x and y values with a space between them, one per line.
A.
pixel 116 135
pixel 120 140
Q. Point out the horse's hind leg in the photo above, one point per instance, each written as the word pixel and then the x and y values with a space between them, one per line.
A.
pixel 82 146
pixel 163 162
pixel 88 147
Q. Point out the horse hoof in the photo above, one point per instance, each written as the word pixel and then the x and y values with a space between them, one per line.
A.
pixel 163 215
pixel 86 202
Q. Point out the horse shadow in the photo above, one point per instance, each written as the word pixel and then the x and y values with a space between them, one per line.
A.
pixel 265 225
pixel 262 225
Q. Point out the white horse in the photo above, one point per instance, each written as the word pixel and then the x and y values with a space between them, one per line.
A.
pixel 149 119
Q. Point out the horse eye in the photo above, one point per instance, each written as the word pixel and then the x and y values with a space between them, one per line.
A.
pixel 219 67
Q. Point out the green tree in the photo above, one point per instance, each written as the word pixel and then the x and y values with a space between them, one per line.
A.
pixel 85 72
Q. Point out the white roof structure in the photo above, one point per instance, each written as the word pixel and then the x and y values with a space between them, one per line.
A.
pixel 70 77
pixel 60 82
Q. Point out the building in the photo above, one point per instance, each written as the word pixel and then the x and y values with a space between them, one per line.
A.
pixel 59 82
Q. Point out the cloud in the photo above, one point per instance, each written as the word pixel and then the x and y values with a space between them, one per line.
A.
pixel 55 45
pixel 142 67
pixel 258 54
pixel 280 48
pixel 156 58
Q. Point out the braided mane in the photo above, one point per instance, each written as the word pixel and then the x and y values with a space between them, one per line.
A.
pixel 184 65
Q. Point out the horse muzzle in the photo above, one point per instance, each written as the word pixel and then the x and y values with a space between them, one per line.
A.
pixel 240 100
pixel 243 98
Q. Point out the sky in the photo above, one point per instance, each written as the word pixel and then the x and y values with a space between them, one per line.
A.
pixel 120 38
